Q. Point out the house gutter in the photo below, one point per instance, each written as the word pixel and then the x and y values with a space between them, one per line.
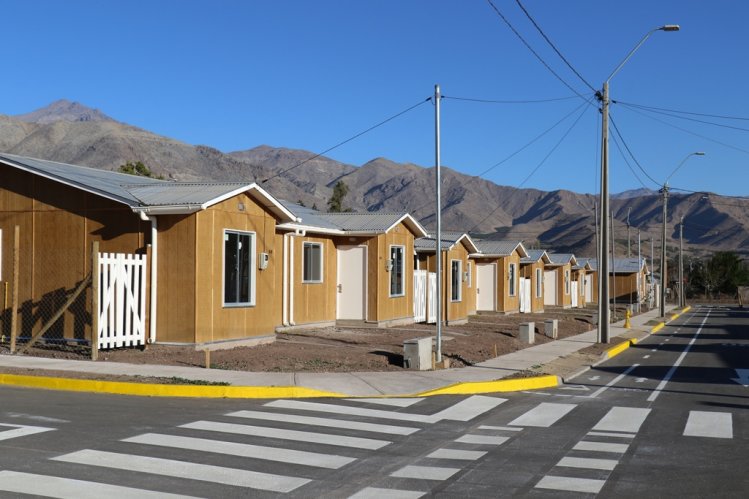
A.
pixel 154 274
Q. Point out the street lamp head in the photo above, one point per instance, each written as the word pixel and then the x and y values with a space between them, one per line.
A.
pixel 699 153
pixel 670 27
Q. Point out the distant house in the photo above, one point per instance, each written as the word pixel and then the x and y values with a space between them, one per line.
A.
pixel 559 288
pixel 458 272
pixel 213 258
pixel 499 285
pixel 532 268
pixel 589 274
pixel 347 267
pixel 628 280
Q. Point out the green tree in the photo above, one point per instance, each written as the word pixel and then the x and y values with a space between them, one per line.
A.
pixel 138 169
pixel 724 272
pixel 335 203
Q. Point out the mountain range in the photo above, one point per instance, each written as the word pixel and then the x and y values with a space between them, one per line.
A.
pixel 561 220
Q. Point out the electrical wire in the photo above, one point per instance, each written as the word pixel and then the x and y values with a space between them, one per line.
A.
pixel 527 45
pixel 616 129
pixel 491 101
pixel 569 65
pixel 386 120
pixel 705 122
pixel 641 106
pixel 626 161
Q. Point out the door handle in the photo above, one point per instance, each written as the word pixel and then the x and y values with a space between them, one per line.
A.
pixel 340 288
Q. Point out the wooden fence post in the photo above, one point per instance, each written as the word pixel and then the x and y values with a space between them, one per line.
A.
pixel 14 300
pixel 95 301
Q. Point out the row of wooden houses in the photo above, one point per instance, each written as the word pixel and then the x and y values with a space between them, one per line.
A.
pixel 228 262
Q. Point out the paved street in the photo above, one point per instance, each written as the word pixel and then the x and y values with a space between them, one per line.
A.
pixel 666 418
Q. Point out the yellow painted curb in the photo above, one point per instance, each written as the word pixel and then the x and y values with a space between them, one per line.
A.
pixel 686 309
pixel 500 385
pixel 658 327
pixel 675 316
pixel 156 390
pixel 614 351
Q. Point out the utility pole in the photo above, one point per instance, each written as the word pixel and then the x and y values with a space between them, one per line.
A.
pixel 652 271
pixel 613 266
pixel 639 267
pixel 603 253
pixel 682 299
pixel 438 190
pixel 629 254
pixel 664 264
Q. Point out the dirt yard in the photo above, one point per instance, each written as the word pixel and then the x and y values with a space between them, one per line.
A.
pixel 338 349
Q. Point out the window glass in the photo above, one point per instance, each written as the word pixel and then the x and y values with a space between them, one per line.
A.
pixel 566 282
pixel 396 272
pixel 512 278
pixel 469 275
pixel 455 271
pixel 539 283
pixel 239 269
pixel 312 262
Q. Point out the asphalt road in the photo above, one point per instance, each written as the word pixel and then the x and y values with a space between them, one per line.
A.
pixel 666 418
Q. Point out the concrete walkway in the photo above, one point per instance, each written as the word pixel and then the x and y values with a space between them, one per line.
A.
pixel 363 384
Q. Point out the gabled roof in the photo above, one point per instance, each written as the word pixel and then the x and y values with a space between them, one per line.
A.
pixel 349 223
pixel 558 259
pixel 449 240
pixel 619 266
pixel 536 255
pixel 500 248
pixel 143 194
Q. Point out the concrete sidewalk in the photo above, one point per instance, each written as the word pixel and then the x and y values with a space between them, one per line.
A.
pixel 363 384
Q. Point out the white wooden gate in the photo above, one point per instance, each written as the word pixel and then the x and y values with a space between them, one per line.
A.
pixel 122 300
pixel 575 294
pixel 431 298
pixel 420 295
pixel 525 295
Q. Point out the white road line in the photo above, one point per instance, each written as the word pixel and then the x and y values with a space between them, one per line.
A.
pixel 601 447
pixel 588 463
pixel 299 436
pixel 469 408
pixel 425 472
pixel 624 419
pixel 709 424
pixel 300 405
pixel 67 488
pixel 464 455
pixel 499 428
pixel 671 371
pixel 397 402
pixel 543 415
pixel 21 431
pixel 584 485
pixel 608 434
pixel 654 350
pixel 243 450
pixel 328 422
pixel 481 440
pixel 377 493
pixel 646 356
pixel 614 381
pixel 183 469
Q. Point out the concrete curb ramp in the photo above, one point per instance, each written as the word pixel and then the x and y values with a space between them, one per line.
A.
pixel 257 392
pixel 614 351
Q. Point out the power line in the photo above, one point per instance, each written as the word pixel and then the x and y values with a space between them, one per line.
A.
pixel 391 118
pixel 705 122
pixel 616 129
pixel 626 161
pixel 641 106
pixel 569 65
pixel 491 3
pixel 491 101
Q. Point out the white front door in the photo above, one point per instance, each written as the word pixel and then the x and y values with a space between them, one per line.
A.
pixel 575 294
pixel 588 289
pixel 486 286
pixel 525 295
pixel 352 283
pixel 550 287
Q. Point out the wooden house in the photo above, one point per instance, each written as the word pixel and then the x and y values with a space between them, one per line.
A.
pixel 559 288
pixel 212 247
pixel 532 268
pixel 588 275
pixel 499 285
pixel 458 272
pixel 352 267
pixel 628 280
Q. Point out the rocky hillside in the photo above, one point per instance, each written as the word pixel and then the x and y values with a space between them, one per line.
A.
pixel 73 133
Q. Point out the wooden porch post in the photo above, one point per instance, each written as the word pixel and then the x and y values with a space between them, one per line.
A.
pixel 14 299
pixel 95 300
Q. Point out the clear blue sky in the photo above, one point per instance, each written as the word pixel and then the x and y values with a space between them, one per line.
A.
pixel 309 74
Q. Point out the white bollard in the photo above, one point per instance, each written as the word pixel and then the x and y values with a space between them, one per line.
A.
pixel 528 332
pixel 551 328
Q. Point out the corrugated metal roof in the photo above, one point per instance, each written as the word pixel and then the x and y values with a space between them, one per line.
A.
pixel 561 258
pixel 449 239
pixel 174 193
pixel 497 248
pixel 620 265
pixel 375 223
pixel 534 256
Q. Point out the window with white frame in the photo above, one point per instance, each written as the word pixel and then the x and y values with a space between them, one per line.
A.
pixel 239 268
pixel 311 262
pixel 512 276
pixel 566 282
pixel 469 274
pixel 456 273
pixel 539 283
pixel 397 255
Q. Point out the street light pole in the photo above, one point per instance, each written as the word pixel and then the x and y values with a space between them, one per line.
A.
pixel 682 300
pixel 438 189
pixel 603 264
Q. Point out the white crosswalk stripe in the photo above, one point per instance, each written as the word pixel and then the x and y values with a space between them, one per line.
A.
pixel 623 419
pixel 18 430
pixel 425 472
pixel 588 463
pixel 543 415
pixel 601 447
pixel 584 485
pixel 185 469
pixel 481 439
pixel 463 455
pixel 243 450
pixel 327 422
pixel 299 436
pixel 397 402
pixel 709 424
pixel 379 493
pixel 68 488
